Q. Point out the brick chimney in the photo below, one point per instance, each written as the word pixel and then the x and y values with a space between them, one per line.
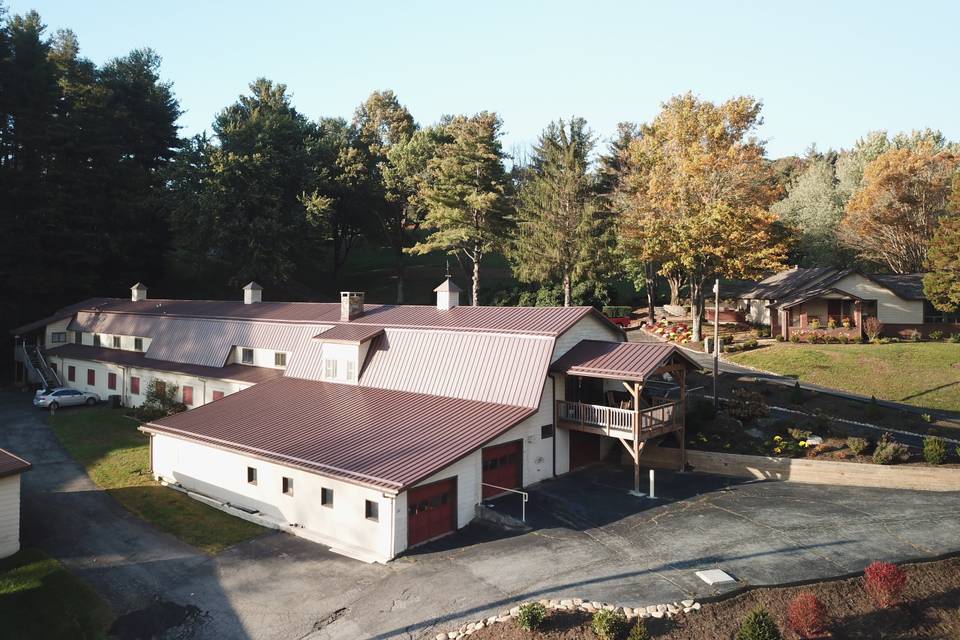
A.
pixel 138 292
pixel 448 295
pixel 351 305
pixel 252 293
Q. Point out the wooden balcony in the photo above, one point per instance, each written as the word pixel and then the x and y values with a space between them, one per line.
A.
pixel 626 424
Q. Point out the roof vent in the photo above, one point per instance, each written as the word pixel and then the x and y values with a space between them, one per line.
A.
pixel 138 292
pixel 252 293
pixel 448 295
pixel 351 305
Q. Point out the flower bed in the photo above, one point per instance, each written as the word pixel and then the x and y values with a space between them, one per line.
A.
pixel 674 332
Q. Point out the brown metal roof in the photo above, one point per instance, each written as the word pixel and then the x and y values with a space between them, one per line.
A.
pixel 235 372
pixel 60 314
pixel 619 360
pixel 380 437
pixel 11 464
pixel 530 320
pixel 353 333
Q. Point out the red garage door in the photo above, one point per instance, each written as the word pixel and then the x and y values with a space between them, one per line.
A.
pixel 502 467
pixel 431 511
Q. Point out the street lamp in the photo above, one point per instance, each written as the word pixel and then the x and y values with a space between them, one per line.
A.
pixel 716 341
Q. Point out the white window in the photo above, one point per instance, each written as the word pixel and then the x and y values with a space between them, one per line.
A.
pixel 330 369
pixel 116 342
pixel 138 344
pixel 58 337
pixel 246 356
pixel 351 370
pixel 279 359
pixel 287 486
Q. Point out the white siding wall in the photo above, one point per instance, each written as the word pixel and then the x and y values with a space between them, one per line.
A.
pixel 261 357
pixel 202 388
pixel 890 307
pixel 9 515
pixel 56 327
pixel 587 328
pixel 222 475
pixel 127 343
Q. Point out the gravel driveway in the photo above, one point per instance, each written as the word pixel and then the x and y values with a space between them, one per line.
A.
pixel 589 540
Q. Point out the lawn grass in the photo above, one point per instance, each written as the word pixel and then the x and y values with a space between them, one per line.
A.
pixel 921 374
pixel 41 599
pixel 117 458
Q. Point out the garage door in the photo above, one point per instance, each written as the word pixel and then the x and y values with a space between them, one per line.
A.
pixel 431 511
pixel 584 449
pixel 502 467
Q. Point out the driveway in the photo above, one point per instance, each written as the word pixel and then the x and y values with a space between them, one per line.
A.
pixel 589 539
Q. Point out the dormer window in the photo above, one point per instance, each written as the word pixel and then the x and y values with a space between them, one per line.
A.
pixel 246 356
pixel 96 339
pixel 78 337
pixel 138 344
pixel 116 342
pixel 351 370
pixel 330 369
pixel 279 359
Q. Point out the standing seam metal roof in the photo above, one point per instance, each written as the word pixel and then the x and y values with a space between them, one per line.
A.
pixel 621 360
pixel 11 464
pixel 381 437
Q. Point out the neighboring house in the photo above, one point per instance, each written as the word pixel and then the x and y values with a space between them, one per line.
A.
pixel 370 428
pixel 840 300
pixel 10 469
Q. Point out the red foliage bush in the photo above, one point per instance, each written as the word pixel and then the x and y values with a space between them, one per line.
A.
pixel 806 615
pixel 884 582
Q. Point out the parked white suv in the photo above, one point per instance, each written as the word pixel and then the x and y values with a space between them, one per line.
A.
pixel 63 397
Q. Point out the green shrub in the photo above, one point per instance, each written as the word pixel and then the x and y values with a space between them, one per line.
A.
pixel 639 631
pixel 926 417
pixel 746 405
pixel 617 311
pixel 794 338
pixel 857 445
pixel 935 450
pixel 889 451
pixel 699 411
pixel 531 616
pixel 750 343
pixel 759 625
pixel 609 625
pixel 161 400
pixel 936 335
pixel 955 338
pixel 779 337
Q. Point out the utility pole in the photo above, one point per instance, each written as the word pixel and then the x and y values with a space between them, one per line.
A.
pixel 716 341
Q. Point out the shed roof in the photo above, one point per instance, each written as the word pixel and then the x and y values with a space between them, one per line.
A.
pixel 379 437
pixel 618 360
pixel 11 464
pixel 235 372
pixel 908 286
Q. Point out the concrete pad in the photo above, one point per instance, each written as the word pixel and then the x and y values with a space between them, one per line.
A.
pixel 716 577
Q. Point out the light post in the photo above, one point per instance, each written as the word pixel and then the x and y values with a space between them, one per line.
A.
pixel 716 341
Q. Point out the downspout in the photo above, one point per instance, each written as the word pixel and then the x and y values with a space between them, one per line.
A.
pixel 553 413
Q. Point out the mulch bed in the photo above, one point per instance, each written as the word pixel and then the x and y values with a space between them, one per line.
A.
pixel 931 609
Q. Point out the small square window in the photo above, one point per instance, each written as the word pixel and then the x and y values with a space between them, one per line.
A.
pixel 116 342
pixel 326 497
pixel 287 486
pixel 546 431
pixel 138 344
pixel 96 339
pixel 280 359
pixel 246 356
pixel 372 511
pixel 330 369
pixel 251 475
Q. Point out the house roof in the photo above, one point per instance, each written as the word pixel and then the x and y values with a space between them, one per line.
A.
pixel 60 314
pixel 790 282
pixel 351 333
pixel 236 372
pixel 620 360
pixel 908 286
pixel 253 286
pixel 379 437
pixel 810 294
pixel 11 464
pixel 551 321
pixel 448 286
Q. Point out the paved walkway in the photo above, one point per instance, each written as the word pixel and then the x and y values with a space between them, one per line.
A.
pixel 590 540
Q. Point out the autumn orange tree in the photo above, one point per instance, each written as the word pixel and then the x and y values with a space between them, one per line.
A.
pixel 891 218
pixel 699 193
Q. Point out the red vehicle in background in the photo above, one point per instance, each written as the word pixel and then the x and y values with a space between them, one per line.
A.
pixel 620 316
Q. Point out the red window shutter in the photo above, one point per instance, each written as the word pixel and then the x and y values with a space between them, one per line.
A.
pixel 112 381
pixel 217 395
pixel 71 373
pixel 135 385
pixel 91 377
pixel 188 396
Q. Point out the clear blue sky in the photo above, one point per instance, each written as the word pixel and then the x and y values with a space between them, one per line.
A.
pixel 827 72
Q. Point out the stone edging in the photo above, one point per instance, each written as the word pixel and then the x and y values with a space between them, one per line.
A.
pixel 575 605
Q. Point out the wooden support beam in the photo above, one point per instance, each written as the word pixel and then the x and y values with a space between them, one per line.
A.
pixel 638 450
pixel 630 448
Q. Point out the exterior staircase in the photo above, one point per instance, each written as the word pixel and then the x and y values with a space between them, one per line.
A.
pixel 38 365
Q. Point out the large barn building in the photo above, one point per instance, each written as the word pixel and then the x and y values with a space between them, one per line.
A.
pixel 367 428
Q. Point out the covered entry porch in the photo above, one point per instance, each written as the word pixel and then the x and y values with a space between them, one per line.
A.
pixel 630 393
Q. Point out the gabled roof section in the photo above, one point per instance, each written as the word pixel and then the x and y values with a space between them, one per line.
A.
pixel 252 286
pixel 349 333
pixel 60 314
pixel 448 286
pixel 791 282
pixel 908 286
pixel 235 372
pixel 634 361
pixel 810 294
pixel 11 465
pixel 378 437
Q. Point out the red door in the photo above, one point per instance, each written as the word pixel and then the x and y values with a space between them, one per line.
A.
pixel 502 467
pixel 584 449
pixel 431 511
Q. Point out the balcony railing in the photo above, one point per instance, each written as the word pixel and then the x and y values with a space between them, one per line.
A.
pixel 618 422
